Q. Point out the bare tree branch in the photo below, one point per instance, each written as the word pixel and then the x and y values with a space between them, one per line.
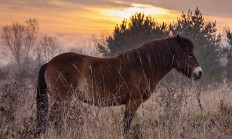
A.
pixel 20 39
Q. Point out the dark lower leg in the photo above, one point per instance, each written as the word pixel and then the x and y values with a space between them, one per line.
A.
pixel 130 110
pixel 55 116
pixel 53 113
pixel 127 122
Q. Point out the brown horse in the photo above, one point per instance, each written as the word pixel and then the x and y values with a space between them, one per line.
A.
pixel 126 79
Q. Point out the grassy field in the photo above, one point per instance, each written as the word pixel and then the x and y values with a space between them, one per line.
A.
pixel 173 112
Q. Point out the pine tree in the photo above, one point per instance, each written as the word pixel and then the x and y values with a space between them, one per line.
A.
pixel 133 33
pixel 141 28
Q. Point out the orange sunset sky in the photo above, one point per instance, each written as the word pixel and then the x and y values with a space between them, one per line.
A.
pixel 74 21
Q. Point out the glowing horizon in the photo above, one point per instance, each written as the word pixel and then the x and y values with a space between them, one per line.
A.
pixel 77 21
pixel 126 13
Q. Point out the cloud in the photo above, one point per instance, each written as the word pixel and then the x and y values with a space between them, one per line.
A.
pixel 102 3
pixel 61 4
pixel 209 7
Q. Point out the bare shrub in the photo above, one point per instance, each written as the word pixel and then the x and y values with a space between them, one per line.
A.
pixel 224 117
pixel 16 108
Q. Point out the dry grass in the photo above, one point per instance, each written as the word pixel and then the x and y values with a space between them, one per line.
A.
pixel 172 112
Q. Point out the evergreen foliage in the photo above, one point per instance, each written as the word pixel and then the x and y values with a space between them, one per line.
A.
pixel 140 28
pixel 133 33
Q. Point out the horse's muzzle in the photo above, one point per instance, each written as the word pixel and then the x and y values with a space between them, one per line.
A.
pixel 197 73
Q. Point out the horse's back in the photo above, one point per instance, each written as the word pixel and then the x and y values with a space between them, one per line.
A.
pixel 70 71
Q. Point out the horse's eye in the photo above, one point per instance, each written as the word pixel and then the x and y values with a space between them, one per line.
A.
pixel 190 55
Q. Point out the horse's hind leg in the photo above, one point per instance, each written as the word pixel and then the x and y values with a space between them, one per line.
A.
pixel 53 113
pixel 57 115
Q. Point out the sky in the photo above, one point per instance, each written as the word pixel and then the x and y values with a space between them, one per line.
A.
pixel 74 22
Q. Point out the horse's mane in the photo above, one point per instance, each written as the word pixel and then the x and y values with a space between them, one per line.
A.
pixel 151 53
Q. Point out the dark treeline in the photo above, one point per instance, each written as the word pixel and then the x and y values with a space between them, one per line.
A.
pixel 140 28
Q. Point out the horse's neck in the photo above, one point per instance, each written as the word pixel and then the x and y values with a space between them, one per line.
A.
pixel 156 73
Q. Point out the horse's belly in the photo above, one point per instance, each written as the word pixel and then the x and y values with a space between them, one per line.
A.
pixel 98 96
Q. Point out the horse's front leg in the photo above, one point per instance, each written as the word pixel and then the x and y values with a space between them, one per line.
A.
pixel 129 113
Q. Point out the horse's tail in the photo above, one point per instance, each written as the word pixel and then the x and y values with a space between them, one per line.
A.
pixel 42 101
